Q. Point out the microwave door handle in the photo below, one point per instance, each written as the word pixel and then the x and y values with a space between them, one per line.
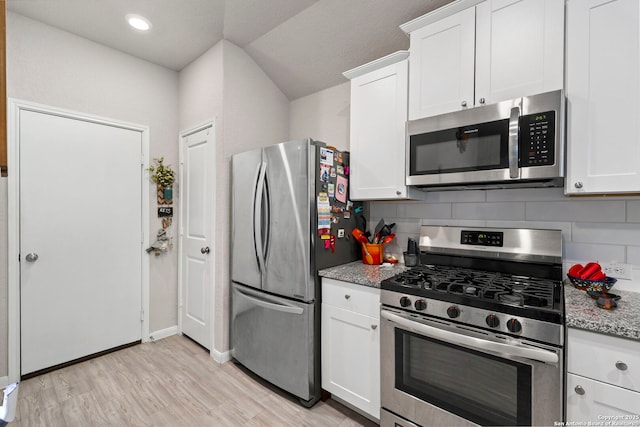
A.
pixel 471 342
pixel 514 170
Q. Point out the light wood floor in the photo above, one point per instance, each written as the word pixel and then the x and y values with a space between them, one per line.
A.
pixel 170 382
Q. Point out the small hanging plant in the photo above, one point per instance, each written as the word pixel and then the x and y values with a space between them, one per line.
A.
pixel 162 174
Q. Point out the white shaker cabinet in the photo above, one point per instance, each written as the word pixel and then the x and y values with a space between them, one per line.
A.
pixel 441 68
pixel 351 344
pixel 377 134
pixel 471 53
pixel 603 379
pixel 602 88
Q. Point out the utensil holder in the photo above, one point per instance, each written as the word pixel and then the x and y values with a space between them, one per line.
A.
pixel 372 253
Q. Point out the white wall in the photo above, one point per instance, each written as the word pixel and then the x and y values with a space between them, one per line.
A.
pixel 323 116
pixel 52 67
pixel 250 112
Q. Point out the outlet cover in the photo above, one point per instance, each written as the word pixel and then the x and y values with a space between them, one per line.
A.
pixel 619 271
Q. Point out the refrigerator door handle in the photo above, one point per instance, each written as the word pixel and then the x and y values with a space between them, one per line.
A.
pixel 278 306
pixel 266 218
pixel 257 216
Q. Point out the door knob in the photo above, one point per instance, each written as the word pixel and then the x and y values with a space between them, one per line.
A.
pixel 205 250
pixel 31 257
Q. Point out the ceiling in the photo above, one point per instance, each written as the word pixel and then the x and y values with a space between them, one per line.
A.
pixel 302 45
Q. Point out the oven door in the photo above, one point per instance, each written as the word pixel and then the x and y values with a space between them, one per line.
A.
pixel 436 373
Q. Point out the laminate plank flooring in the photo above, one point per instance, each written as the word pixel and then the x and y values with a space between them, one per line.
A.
pixel 169 382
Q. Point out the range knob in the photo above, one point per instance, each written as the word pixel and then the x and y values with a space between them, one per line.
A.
pixel 453 312
pixel 405 301
pixel 513 325
pixel 492 320
pixel 420 304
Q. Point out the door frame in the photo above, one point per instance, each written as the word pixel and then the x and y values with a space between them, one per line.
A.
pixel 15 106
pixel 181 215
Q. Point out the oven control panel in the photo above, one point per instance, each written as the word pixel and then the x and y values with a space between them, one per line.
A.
pixel 500 323
pixel 482 238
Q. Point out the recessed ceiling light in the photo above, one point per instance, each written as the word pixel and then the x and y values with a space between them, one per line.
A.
pixel 138 22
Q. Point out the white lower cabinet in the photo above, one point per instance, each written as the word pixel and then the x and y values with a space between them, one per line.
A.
pixel 595 401
pixel 351 344
pixel 603 380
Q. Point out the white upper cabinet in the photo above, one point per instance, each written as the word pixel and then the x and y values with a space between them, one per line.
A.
pixel 603 80
pixel 519 48
pixel 441 67
pixel 378 123
pixel 471 53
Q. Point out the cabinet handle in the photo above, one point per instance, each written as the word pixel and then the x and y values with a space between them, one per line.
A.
pixel 621 365
pixel 374 327
pixel 398 193
pixel 347 296
pixel 578 184
pixel 579 390
pixel 482 101
pixel 463 103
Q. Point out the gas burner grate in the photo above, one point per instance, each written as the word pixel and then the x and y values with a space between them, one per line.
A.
pixel 499 287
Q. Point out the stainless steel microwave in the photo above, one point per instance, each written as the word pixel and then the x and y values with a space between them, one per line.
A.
pixel 511 143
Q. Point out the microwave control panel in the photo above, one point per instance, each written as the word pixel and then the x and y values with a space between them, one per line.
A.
pixel 537 139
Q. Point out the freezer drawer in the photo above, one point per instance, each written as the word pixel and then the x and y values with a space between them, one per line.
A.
pixel 274 338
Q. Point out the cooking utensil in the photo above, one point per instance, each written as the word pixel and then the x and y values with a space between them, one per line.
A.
pixel 367 254
pixel 376 233
pixel 388 238
pixel 359 235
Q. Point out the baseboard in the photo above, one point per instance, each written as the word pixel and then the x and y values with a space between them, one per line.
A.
pixel 163 333
pixel 220 357
pixel 4 381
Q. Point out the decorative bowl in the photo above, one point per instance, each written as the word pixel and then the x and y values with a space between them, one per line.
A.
pixel 593 285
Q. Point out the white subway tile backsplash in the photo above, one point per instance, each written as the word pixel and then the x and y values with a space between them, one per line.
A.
pixel 616 234
pixel 456 196
pixel 586 252
pixel 510 211
pixel 455 222
pixel 424 210
pixel 633 211
pixel 525 195
pixel 383 209
pixel 633 255
pixel 574 211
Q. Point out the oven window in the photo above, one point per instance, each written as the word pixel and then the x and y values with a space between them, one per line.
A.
pixel 481 388
pixel 469 148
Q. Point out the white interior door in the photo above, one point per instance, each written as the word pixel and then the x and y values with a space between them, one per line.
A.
pixel 81 217
pixel 196 243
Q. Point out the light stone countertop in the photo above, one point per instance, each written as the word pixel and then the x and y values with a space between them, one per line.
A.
pixel 362 274
pixel 582 312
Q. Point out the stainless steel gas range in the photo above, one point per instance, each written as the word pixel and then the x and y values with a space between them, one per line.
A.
pixel 474 335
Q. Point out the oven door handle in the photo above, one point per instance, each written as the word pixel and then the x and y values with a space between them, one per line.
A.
pixel 471 342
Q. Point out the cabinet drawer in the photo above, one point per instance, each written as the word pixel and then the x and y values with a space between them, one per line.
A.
pixel 349 296
pixel 604 358
pixel 604 404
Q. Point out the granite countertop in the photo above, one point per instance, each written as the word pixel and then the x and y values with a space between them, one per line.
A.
pixel 362 274
pixel 582 312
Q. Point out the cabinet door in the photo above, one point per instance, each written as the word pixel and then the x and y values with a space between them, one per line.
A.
pixel 441 66
pixel 378 116
pixel 519 48
pixel 351 358
pixel 603 115
pixel 590 400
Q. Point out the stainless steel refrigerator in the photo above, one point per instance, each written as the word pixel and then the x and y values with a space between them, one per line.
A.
pixel 279 241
